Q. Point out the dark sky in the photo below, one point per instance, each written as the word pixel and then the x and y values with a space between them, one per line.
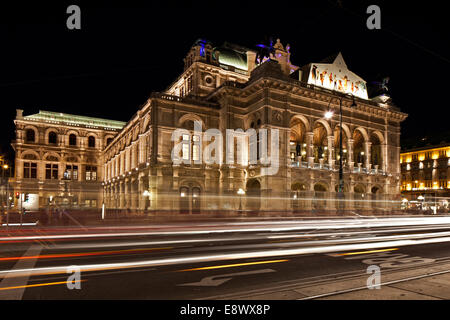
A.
pixel 126 50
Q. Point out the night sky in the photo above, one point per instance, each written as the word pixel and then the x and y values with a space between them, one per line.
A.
pixel 126 50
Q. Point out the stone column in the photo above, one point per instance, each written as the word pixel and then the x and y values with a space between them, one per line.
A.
pixel 350 160
pixel 141 189
pixel 310 148
pixel 121 194
pixel 367 147
pixel 330 151
pixel 384 157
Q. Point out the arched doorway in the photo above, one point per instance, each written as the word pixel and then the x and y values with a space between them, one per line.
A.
pixel 358 196
pixel 190 200
pixel 298 193
pixel 358 148
pixel 377 197
pixel 375 151
pixel 337 150
pixel 320 143
pixel 297 141
pixel 320 196
pixel 253 195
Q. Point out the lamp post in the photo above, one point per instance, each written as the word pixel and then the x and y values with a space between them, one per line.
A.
pixel 240 192
pixel 329 115
pixel 148 194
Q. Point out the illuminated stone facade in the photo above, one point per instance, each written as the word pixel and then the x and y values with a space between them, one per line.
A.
pixel 225 88
pixel 222 88
pixel 426 171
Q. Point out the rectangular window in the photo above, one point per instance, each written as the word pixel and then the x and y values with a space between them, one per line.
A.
pixel 71 172
pixel 30 170
pixel 75 173
pixel 91 173
pixel 196 148
pixel 51 171
pixel 186 145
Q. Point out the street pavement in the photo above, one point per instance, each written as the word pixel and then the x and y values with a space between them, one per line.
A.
pixel 284 259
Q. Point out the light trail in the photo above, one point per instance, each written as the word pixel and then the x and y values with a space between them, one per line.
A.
pixel 265 227
pixel 233 265
pixel 220 257
pixel 364 252
pixel 83 254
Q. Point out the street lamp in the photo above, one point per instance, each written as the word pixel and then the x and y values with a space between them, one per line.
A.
pixel 240 192
pixel 329 115
pixel 148 194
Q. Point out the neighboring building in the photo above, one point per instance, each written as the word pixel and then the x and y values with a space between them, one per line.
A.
pixel 59 159
pixel 224 88
pixel 426 171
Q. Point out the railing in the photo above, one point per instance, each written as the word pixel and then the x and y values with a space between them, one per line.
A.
pixel 326 166
pixel 189 100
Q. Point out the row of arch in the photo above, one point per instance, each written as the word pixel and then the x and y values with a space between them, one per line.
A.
pixel 55 157
pixel 321 132
pixel 51 137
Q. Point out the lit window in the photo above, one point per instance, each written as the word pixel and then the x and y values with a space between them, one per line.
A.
pixel 71 172
pixel 91 173
pixel 185 147
pixel 421 165
pixel 51 171
pixel 30 170
pixel 196 148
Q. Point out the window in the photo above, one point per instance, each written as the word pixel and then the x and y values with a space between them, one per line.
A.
pixel 71 172
pixel 108 141
pixel 52 137
pixel 196 148
pixel 72 140
pixel 186 145
pixel 91 142
pixel 30 170
pixel 51 171
pixel 91 173
pixel 30 135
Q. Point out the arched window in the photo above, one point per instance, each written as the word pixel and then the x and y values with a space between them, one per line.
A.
pixel 52 137
pixel 108 141
pixel 91 142
pixel 30 136
pixel 72 140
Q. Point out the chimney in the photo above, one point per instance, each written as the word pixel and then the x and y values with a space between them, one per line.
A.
pixel 19 113
pixel 251 56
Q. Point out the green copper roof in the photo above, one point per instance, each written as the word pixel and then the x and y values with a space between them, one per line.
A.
pixel 75 120
pixel 232 58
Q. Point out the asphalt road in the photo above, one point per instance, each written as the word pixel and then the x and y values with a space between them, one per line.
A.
pixel 211 260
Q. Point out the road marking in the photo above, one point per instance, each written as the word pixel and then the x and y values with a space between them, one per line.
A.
pixel 84 254
pixel 212 282
pixel 360 252
pixel 10 280
pixel 234 265
pixel 39 285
